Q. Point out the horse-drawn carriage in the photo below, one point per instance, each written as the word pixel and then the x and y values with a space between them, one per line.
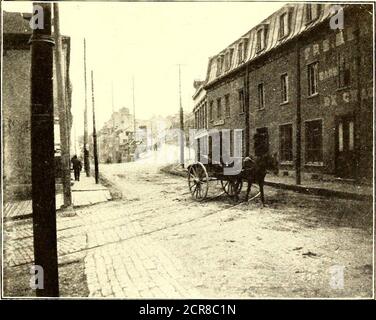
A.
pixel 230 175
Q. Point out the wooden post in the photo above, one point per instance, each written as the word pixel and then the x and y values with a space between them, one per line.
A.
pixel 94 133
pixel 86 150
pixel 63 118
pixel 247 111
pixel 181 114
pixel 134 119
pixel 42 155
pixel 298 152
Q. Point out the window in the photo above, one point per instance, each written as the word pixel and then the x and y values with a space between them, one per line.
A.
pixel 240 53
pixel 241 101
pixel 243 143
pixel 260 41
pixel 283 25
pixel 219 109
pixel 313 141
pixel 260 90
pixel 227 62
pixel 312 78
pixel 245 48
pixel 284 88
pixel 308 12
pixel 201 117
pixel 231 56
pixel 343 71
pixel 211 110
pixel 285 142
pixel 219 65
pixel 205 116
pixel 312 12
pixel 227 105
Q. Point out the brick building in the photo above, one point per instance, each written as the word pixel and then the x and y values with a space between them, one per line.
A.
pixel 305 88
pixel 16 103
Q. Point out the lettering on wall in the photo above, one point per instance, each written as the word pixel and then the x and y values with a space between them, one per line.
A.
pixel 349 96
pixel 326 74
pixel 325 45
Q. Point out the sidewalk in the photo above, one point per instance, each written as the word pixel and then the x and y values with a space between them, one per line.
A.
pixel 84 193
pixel 332 188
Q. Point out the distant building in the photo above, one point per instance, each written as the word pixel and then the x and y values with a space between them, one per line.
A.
pixel 116 138
pixel 17 105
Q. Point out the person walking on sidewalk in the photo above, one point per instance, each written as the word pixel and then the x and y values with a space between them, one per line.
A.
pixel 77 166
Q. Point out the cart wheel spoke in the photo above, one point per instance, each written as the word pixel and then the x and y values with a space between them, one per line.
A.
pixel 232 187
pixel 198 181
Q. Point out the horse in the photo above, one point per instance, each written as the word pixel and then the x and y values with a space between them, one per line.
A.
pixel 255 169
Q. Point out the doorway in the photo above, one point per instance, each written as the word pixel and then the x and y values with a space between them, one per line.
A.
pixel 261 141
pixel 345 156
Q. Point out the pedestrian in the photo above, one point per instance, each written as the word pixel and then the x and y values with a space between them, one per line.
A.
pixel 77 166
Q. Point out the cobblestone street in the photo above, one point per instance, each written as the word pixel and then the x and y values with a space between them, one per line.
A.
pixel 157 242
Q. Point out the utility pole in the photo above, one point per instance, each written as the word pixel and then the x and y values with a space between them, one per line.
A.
pixel 246 105
pixel 42 156
pixel 86 151
pixel 63 118
pixel 134 119
pixel 182 135
pixel 134 109
pixel 113 124
pixel 94 132
pixel 298 152
pixel 75 138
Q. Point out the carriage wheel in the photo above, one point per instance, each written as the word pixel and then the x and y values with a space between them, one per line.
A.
pixel 198 181
pixel 232 188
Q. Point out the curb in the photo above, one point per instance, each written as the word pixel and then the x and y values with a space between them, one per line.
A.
pixel 320 191
pixel 115 193
pixel 301 189
pixel 173 172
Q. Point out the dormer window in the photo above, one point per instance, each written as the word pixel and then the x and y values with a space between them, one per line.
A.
pixel 231 55
pixel 245 48
pixel 228 58
pixel 283 25
pixel 260 39
pixel 240 52
pixel 219 65
pixel 312 12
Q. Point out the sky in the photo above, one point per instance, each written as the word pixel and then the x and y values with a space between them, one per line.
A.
pixel 146 41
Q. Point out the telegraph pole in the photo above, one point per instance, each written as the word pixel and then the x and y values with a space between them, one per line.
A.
pixel 42 156
pixel 298 155
pixel 113 125
pixel 86 151
pixel 134 110
pixel 182 135
pixel 94 132
pixel 63 119
pixel 134 120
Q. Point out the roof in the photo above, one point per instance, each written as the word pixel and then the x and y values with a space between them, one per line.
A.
pixel 297 25
pixel 17 32
pixel 16 22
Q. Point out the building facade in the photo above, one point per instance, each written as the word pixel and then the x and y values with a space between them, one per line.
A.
pixel 17 106
pixel 300 88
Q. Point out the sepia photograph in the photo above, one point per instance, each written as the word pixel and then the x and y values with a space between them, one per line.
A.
pixel 187 150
